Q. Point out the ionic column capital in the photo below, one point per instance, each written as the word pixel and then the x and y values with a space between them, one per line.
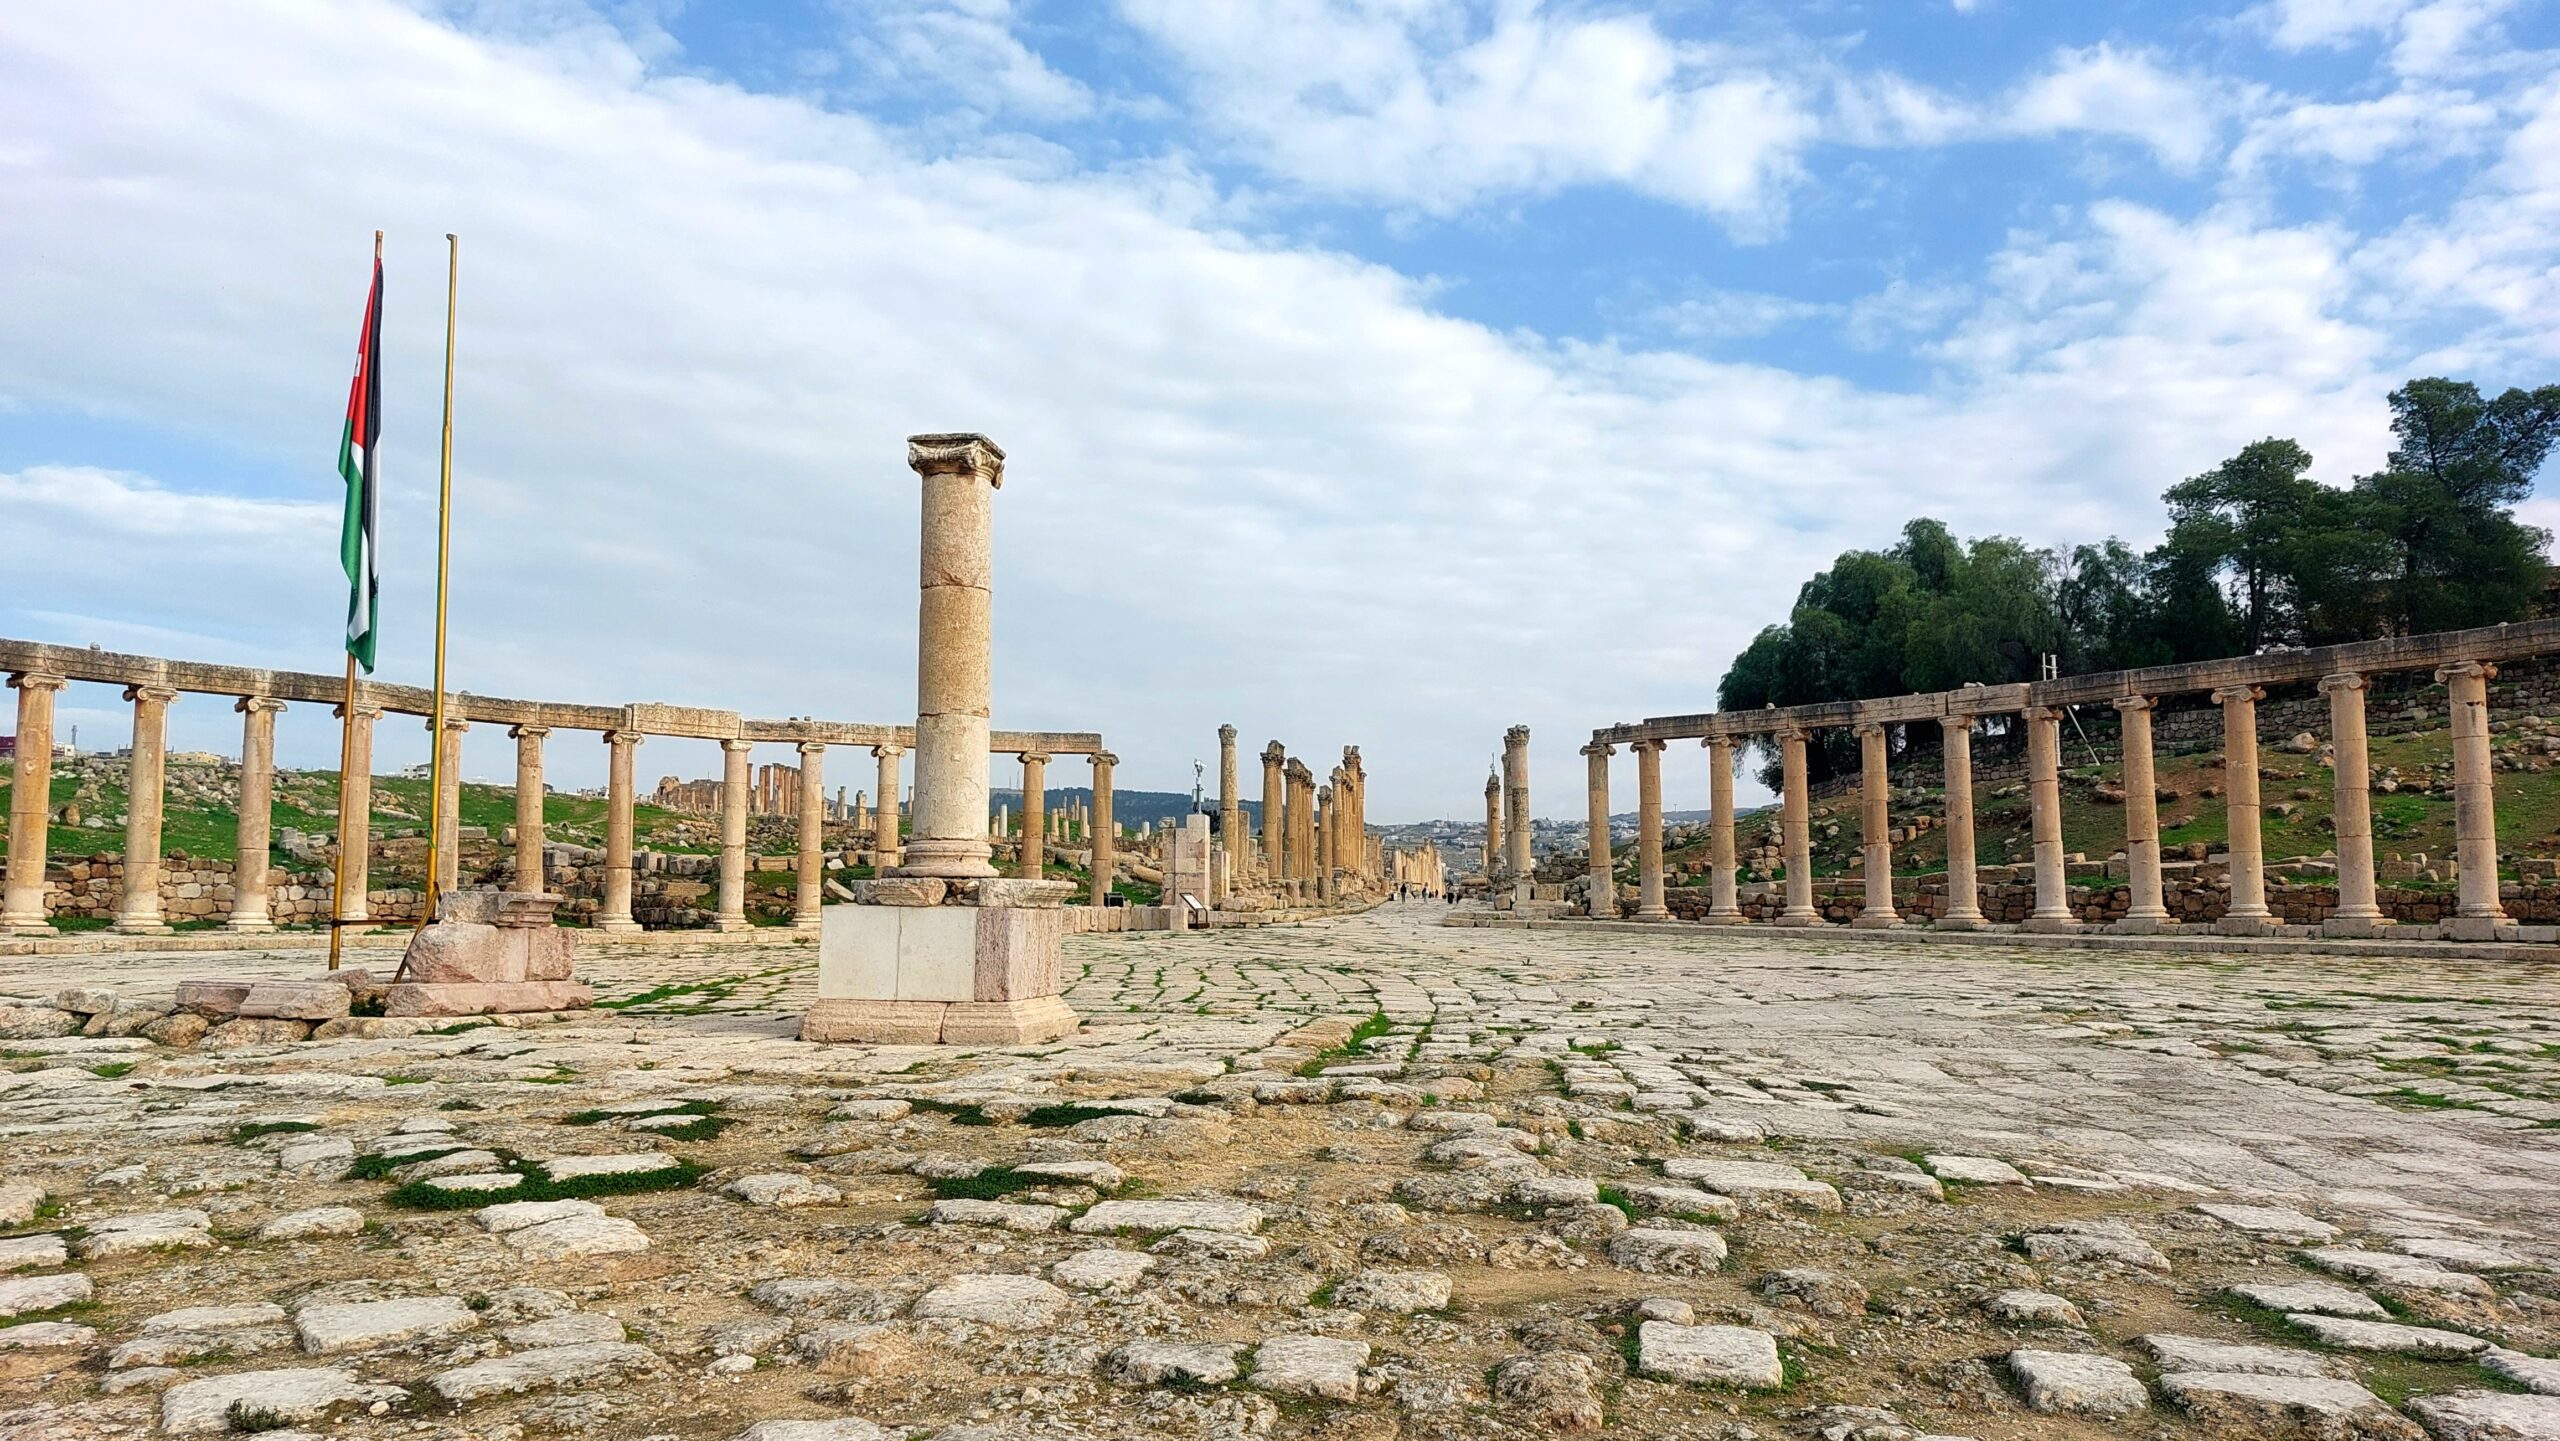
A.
pixel 2466 670
pixel 150 694
pixel 958 453
pixel 527 732
pixel 454 723
pixel 1642 747
pixel 1104 760
pixel 1957 723
pixel 1869 728
pixel 1227 734
pixel 811 748
pixel 889 752
pixel 37 680
pixel 737 747
pixel 2343 681
pixel 1599 748
pixel 363 712
pixel 1035 758
pixel 2225 695
pixel 2040 713
pixel 1785 734
pixel 624 738
pixel 2136 702
pixel 258 704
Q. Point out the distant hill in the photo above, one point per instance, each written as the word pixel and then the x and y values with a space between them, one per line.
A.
pixel 1127 807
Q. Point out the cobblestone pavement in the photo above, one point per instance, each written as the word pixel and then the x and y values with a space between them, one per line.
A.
pixel 1370 1177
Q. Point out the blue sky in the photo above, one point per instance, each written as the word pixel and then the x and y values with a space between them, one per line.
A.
pixel 1375 371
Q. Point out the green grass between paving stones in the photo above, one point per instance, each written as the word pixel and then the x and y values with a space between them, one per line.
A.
pixel 255 1129
pixel 1371 1027
pixel 957 1112
pixel 992 1185
pixel 675 1108
pixel 1064 1114
pixel 535 1186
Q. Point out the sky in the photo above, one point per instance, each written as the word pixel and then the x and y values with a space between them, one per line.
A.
pixel 1377 372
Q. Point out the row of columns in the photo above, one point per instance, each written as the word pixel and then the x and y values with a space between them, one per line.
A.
pixel 2477 911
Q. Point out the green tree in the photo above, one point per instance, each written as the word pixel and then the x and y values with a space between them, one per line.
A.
pixel 2455 553
pixel 2248 513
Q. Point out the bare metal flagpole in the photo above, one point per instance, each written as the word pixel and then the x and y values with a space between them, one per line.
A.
pixel 444 562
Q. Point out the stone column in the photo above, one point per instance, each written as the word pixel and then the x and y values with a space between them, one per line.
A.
pixel 1875 828
pixel 809 897
pixel 449 807
pixel 1035 815
pixel 2044 820
pixel 2359 911
pixel 2146 914
pixel 1275 806
pixel 1516 861
pixel 257 814
pixel 1797 822
pixel 529 798
pixel 1964 892
pixel 737 798
pixel 22 908
pixel 1300 860
pixel 2476 913
pixel 1649 903
pixel 886 845
pixel 2248 915
pixel 1327 847
pixel 1603 903
pixel 138 912
pixel 1230 799
pixel 1106 833
pixel 1723 907
pixel 623 754
pixel 355 813
pixel 955 628
pixel 1493 829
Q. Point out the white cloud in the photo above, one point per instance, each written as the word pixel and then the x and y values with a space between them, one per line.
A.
pixel 964 53
pixel 2355 134
pixel 2104 90
pixel 2306 24
pixel 1250 483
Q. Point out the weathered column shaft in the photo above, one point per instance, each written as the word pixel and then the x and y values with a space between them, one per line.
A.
pixel 1602 903
pixel 2351 806
pixel 885 841
pixel 1796 822
pixel 449 805
pixel 1515 785
pixel 1106 832
pixel 529 807
pixel 2147 910
pixel 737 797
pixel 2044 819
pixel 1649 898
pixel 1275 807
pixel 1035 816
pixel 955 629
pixel 2477 911
pixel 2248 910
pixel 355 813
pixel 809 895
pixel 1230 800
pixel 1964 892
pixel 22 908
pixel 622 756
pixel 145 802
pixel 1493 828
pixel 1724 907
pixel 1875 827
pixel 249 910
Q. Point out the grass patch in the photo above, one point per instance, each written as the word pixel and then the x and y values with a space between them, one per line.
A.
pixel 255 1129
pixel 402 1079
pixel 113 1070
pixel 1596 1049
pixel 1372 1026
pixel 1613 1196
pixel 992 1185
pixel 535 1186
pixel 700 1128
pixel 678 1108
pixel 459 1104
pixel 959 1113
pixel 377 1167
pixel 1069 1113
pixel 2410 1098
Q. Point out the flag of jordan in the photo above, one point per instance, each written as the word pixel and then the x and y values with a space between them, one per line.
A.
pixel 356 535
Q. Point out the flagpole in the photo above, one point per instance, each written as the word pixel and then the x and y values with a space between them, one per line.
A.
pixel 444 549
pixel 346 756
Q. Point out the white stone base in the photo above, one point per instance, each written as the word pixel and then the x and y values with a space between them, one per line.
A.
pixel 2474 928
pixel 2357 928
pixel 2049 925
pixel 936 1023
pixel 2263 925
pixel 940 974
pixel 1876 920
pixel 2144 926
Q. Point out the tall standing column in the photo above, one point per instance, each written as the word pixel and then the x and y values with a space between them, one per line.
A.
pixel 955 628
pixel 1230 801
pixel 355 815
pixel 449 806
pixel 1964 892
pixel 737 797
pixel 1649 900
pixel 138 913
pixel 1300 861
pixel 622 756
pixel 2248 914
pixel 1106 832
pixel 22 909
pixel 809 896
pixel 2476 913
pixel 1035 815
pixel 1328 847
pixel 1516 862
pixel 1875 828
pixel 1493 829
pixel 2359 911
pixel 1724 908
pixel 2044 820
pixel 1796 821
pixel 1602 904
pixel 1275 806
pixel 529 799
pixel 257 814
pixel 887 847
pixel 2146 912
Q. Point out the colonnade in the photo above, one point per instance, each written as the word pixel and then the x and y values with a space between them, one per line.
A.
pixel 37 674
pixel 2464 662
pixel 1315 835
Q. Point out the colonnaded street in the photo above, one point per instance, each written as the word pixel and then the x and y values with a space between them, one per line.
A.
pixel 1366 1176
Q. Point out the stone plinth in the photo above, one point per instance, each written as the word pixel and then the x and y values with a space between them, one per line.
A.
pixel 921 963
pixel 488 951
